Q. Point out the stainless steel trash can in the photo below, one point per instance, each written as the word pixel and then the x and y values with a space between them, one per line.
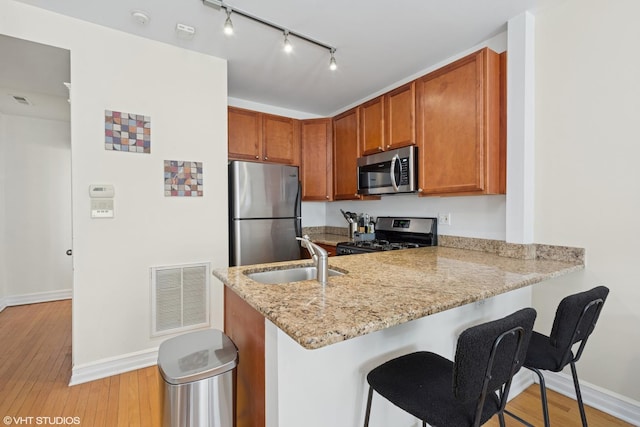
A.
pixel 198 373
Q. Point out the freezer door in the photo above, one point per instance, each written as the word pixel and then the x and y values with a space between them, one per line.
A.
pixel 259 241
pixel 260 190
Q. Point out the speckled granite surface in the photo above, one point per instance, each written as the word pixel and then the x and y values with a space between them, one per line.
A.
pixel 384 289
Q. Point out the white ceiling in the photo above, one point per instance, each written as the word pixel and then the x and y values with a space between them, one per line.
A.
pixel 36 72
pixel 378 42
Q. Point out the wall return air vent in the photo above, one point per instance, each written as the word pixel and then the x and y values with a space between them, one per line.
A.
pixel 179 298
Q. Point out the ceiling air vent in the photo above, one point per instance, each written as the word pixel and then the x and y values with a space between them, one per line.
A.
pixel 21 99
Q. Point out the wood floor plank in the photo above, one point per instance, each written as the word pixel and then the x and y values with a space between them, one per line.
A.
pixel 36 368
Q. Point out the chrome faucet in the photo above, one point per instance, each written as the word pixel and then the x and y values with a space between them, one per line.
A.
pixel 319 256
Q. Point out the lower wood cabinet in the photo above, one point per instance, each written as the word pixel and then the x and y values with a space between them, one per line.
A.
pixel 245 326
pixel 331 250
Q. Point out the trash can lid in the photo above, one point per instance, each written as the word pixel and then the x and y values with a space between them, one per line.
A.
pixel 195 356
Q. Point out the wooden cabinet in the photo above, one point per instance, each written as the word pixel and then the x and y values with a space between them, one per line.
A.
pixel 245 134
pixel 400 116
pixel 331 250
pixel 388 121
pixel 345 155
pixel 458 127
pixel 316 154
pixel 245 326
pixel 372 126
pixel 263 137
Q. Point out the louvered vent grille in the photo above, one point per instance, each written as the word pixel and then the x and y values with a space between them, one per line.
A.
pixel 180 296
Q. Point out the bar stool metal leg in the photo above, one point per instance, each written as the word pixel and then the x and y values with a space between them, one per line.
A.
pixel 368 412
pixel 543 396
pixel 576 384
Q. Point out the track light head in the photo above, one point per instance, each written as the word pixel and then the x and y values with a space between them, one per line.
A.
pixel 332 62
pixel 287 44
pixel 228 25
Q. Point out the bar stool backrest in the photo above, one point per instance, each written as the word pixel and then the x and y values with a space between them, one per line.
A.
pixel 488 355
pixel 575 319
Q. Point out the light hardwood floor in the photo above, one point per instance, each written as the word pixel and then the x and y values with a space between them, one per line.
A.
pixel 35 367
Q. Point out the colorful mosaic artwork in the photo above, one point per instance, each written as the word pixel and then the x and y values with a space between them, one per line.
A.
pixel 127 132
pixel 182 179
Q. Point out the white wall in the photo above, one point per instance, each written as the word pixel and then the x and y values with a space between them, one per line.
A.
pixel 37 203
pixel 587 175
pixel 184 93
pixel 473 216
pixel 3 269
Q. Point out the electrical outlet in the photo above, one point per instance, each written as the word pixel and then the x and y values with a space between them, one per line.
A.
pixel 444 219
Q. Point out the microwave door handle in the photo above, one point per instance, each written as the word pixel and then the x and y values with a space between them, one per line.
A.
pixel 395 159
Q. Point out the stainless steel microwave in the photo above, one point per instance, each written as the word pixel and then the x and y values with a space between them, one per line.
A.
pixel 389 172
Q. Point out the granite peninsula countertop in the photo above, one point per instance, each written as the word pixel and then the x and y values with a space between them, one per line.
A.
pixel 384 289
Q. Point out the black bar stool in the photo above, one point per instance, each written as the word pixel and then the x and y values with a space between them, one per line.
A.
pixel 460 393
pixel 575 320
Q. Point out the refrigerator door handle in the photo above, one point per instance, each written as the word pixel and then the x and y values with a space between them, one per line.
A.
pixel 297 210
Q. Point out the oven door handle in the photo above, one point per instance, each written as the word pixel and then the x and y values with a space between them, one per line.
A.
pixel 392 172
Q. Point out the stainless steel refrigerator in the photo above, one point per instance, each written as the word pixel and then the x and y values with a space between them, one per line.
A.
pixel 264 213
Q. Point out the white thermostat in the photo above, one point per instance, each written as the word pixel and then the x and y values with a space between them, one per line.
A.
pixel 101 200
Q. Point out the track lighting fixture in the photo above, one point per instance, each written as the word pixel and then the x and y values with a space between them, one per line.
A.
pixel 287 44
pixel 288 47
pixel 228 25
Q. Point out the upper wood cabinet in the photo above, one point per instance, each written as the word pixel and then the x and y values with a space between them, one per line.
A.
pixel 263 137
pixel 458 127
pixel 388 121
pixel 400 116
pixel 315 165
pixel 372 126
pixel 245 134
pixel 345 155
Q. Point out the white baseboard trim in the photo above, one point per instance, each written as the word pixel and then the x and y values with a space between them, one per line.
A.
pixel 113 366
pixel 35 298
pixel 521 381
pixel 606 401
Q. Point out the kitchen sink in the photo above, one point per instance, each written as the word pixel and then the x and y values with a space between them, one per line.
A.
pixel 287 275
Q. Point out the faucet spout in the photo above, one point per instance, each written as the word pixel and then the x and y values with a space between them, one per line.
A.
pixel 320 258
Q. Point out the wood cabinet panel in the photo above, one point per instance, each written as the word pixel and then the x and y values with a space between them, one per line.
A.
pixel 263 137
pixel 245 134
pixel 400 111
pixel 372 126
pixel 245 326
pixel 280 142
pixel 345 155
pixel 331 250
pixel 458 127
pixel 316 154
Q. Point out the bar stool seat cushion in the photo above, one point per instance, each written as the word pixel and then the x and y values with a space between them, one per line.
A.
pixel 421 384
pixel 543 355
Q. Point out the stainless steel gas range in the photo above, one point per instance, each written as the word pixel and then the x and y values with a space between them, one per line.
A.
pixel 393 233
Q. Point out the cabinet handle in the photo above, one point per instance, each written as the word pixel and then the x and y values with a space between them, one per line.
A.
pixel 420 190
pixel 380 149
pixel 266 158
pixel 326 197
pixel 388 145
pixel 257 157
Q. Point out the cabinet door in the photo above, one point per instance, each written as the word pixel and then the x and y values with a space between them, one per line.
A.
pixel 372 126
pixel 280 143
pixel 458 127
pixel 245 134
pixel 345 155
pixel 315 165
pixel 400 111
